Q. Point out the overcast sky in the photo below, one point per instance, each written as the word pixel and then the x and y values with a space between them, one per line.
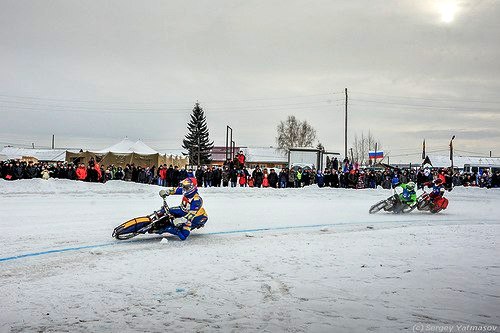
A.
pixel 93 72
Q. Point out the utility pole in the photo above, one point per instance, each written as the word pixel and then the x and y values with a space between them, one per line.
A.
pixel 345 129
pixel 490 153
pixel 53 139
pixel 33 146
pixel 374 163
pixel 451 151
pixel 228 140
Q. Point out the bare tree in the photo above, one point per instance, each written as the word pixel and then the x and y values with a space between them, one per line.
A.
pixel 363 145
pixel 294 133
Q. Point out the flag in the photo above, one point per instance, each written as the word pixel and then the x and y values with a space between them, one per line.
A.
pixel 451 149
pixel 423 150
pixel 427 160
pixel 375 154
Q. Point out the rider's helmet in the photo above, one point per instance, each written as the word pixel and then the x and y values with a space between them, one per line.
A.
pixel 410 186
pixel 438 181
pixel 188 188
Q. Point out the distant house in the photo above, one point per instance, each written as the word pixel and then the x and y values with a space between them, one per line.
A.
pixel 219 155
pixel 268 157
pixel 466 163
pixel 29 154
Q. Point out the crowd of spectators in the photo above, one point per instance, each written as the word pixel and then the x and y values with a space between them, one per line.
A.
pixel 235 174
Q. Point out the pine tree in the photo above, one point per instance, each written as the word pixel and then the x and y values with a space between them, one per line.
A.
pixel 197 142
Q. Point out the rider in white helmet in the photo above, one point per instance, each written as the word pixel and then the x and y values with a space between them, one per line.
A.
pixel 409 196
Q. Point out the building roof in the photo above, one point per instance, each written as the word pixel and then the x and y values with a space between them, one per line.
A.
pixel 52 155
pixel 440 161
pixel 265 154
pixel 172 151
pixel 252 154
pixel 219 153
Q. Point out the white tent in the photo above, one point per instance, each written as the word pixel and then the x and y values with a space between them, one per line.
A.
pixel 127 147
pixel 127 152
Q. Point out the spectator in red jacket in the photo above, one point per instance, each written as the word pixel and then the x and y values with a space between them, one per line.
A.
pixel 98 171
pixel 162 173
pixel 81 172
pixel 241 159
pixel 243 179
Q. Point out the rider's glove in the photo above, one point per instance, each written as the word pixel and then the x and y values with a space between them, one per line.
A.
pixel 185 221
pixel 189 217
pixel 178 223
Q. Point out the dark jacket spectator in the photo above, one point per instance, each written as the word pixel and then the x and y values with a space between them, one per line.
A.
pixel 233 177
pixel 70 173
pixel 225 177
pixel 216 177
pixel 17 171
pixel 119 174
pixel 199 174
pixel 176 176
pixel 258 177
pixel 273 179
pixel 31 171
pixel 335 181
pixel 170 176
pixel 128 173
pixel 495 179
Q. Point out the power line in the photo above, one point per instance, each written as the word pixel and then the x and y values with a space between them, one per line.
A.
pixel 159 103
pixel 432 107
pixel 309 107
pixel 74 107
pixel 472 152
pixel 419 153
pixel 430 99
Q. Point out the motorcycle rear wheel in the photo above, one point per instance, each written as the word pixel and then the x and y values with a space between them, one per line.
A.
pixel 132 228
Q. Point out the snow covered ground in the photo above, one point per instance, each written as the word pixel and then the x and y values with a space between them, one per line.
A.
pixel 323 264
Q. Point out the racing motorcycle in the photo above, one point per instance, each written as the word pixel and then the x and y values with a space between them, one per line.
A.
pixel 151 223
pixel 425 203
pixel 392 204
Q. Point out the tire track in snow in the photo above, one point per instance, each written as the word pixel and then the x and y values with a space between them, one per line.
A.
pixel 232 232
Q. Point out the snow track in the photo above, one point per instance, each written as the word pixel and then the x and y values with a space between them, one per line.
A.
pixel 294 260
pixel 230 232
